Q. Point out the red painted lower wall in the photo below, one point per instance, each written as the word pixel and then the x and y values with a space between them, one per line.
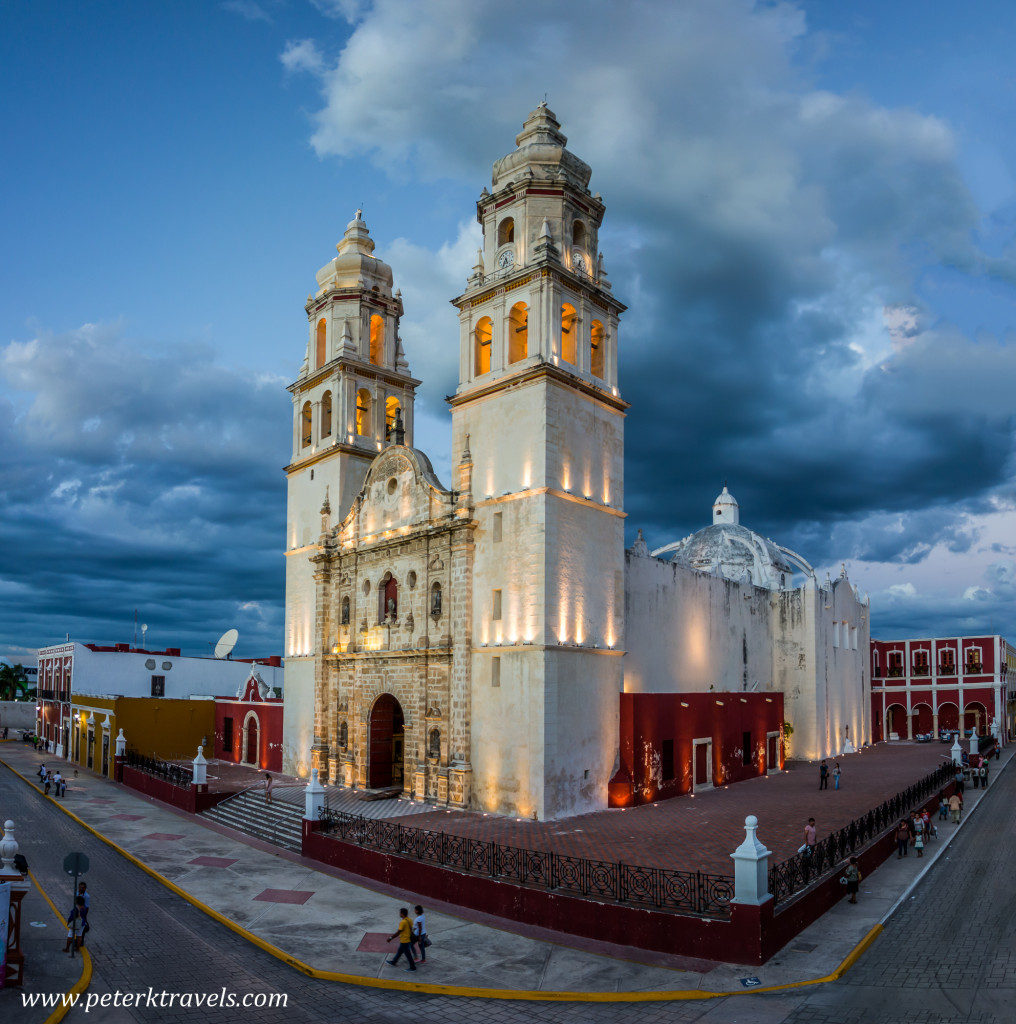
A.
pixel 735 941
pixel 658 733
pixel 188 799
pixel 751 936
pixel 262 739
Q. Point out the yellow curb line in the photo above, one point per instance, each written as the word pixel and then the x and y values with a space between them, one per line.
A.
pixel 465 992
pixel 86 961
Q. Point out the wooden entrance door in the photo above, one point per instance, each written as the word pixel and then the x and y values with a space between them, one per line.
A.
pixel 386 737
pixel 252 741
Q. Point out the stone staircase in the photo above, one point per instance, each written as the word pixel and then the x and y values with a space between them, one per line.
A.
pixel 278 823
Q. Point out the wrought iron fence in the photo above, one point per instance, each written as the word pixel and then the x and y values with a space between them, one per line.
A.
pixel 801 870
pixel 689 892
pixel 173 773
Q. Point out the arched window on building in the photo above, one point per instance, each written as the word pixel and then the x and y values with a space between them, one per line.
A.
pixel 435 601
pixel 392 406
pixel 377 340
pixel 506 231
pixel 388 598
pixel 326 414
pixel 343 735
pixel 596 339
pixel 345 611
pixel 481 345
pixel 321 348
pixel 434 747
pixel 306 425
pixel 569 334
pixel 518 332
pixel 363 411
pixel 579 234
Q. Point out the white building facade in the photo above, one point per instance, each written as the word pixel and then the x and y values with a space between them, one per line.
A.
pixel 466 645
pixel 730 610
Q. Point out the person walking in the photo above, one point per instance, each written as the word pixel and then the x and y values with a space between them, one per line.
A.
pixel 943 805
pixel 57 782
pixel 75 926
pixel 84 895
pixel 420 940
pixel 902 838
pixel 955 806
pixel 823 776
pixel 810 838
pixel 975 776
pixel 959 779
pixel 853 877
pixel 984 774
pixel 404 933
pixel 836 776
pixel 268 787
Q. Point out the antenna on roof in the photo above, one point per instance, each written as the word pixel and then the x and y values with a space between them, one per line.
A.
pixel 226 644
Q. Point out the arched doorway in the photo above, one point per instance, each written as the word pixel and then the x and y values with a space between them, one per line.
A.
pixel 250 740
pixel 896 722
pixel 975 717
pixel 386 767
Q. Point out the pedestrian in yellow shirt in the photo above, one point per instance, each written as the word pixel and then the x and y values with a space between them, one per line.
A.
pixel 404 933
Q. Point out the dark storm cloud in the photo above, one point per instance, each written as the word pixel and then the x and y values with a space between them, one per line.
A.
pixel 139 479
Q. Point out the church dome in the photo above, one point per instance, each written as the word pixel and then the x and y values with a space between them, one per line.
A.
pixel 733 550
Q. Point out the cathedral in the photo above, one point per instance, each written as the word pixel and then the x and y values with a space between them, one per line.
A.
pixel 467 645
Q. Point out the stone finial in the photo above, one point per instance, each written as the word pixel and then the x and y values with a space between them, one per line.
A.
pixel 8 850
pixel 751 867
pixel 467 455
pixel 199 774
pixel 640 549
pixel 121 744
pixel 313 797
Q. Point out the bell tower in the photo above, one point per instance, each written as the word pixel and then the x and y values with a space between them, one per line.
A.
pixel 539 403
pixel 353 396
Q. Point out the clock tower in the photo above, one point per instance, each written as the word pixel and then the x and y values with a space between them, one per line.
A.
pixel 539 424
pixel 353 397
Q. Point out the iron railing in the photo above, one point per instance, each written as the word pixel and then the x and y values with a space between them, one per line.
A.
pixel 172 773
pixel 803 869
pixel 689 892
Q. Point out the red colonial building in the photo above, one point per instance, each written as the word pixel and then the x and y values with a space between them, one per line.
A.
pixel 923 686
pixel 248 727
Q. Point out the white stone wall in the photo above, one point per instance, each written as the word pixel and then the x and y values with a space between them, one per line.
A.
pixel 298 717
pixel 693 631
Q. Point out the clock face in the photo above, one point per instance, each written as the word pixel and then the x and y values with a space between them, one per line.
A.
pixel 578 260
pixel 506 259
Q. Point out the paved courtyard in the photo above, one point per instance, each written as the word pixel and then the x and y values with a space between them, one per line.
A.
pixel 700 832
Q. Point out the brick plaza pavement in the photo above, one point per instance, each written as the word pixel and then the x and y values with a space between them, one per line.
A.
pixel 699 833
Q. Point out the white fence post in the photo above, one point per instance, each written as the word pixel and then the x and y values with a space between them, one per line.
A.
pixel 751 867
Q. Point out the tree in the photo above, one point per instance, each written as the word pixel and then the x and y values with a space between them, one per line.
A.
pixel 12 679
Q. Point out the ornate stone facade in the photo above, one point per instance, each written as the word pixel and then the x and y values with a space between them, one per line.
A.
pixel 393 613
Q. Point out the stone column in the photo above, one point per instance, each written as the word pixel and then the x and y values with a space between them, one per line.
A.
pixel 751 867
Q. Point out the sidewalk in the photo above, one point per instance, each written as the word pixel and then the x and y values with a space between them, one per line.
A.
pixel 334 923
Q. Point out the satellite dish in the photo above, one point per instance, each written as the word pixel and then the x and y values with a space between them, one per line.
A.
pixel 226 643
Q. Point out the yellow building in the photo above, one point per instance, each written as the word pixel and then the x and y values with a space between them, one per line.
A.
pixel 153 726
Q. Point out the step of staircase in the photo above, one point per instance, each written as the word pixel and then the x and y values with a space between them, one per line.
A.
pixel 278 823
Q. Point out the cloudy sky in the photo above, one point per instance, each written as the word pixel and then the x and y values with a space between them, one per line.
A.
pixel 810 213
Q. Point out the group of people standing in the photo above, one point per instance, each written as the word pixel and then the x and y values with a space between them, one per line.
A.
pixel 77 920
pixel 824 773
pixel 917 829
pixel 52 780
